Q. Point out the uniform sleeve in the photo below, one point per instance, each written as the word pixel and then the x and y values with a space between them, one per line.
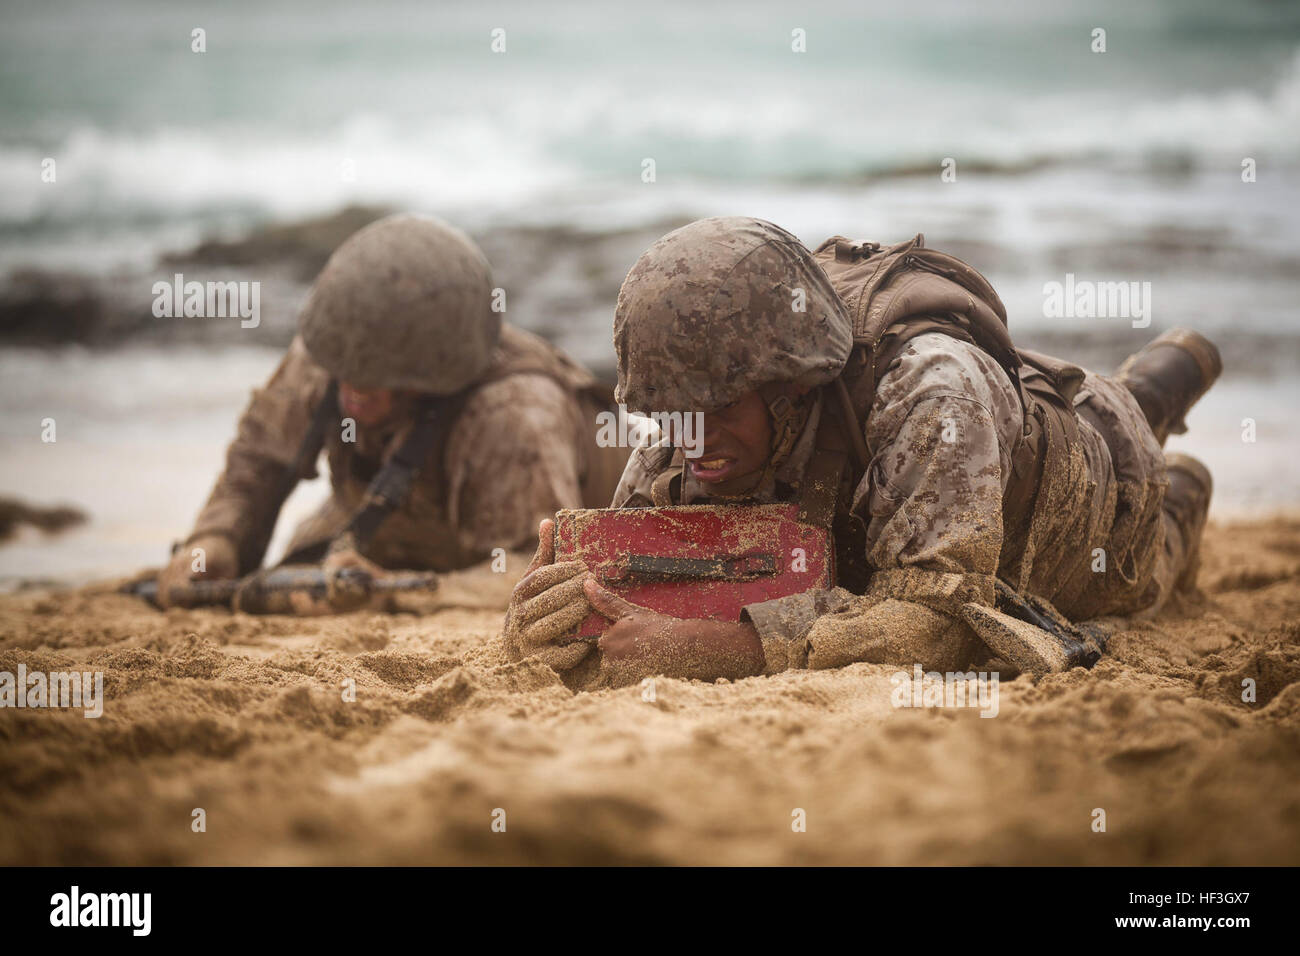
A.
pixel 941 431
pixel 512 460
pixel 245 502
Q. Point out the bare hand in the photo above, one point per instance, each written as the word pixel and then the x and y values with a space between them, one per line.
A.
pixel 211 557
pixel 643 643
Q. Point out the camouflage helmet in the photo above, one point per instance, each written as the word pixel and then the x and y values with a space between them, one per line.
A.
pixel 712 311
pixel 404 303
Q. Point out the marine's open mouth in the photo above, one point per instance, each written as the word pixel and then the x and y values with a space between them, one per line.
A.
pixel 712 469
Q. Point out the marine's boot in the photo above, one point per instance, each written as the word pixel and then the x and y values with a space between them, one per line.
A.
pixel 1168 375
pixel 1187 501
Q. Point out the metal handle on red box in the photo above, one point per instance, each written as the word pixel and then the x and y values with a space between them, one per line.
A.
pixel 653 567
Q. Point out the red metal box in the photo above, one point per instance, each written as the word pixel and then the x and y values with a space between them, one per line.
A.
pixel 696 561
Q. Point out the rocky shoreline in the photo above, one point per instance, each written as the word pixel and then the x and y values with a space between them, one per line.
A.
pixel 561 282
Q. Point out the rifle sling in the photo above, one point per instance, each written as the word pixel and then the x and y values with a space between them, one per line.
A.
pixel 389 489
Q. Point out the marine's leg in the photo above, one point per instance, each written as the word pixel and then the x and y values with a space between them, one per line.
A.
pixel 1167 377
pixel 1186 505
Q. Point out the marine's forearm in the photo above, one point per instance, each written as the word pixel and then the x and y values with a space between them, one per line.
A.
pixel 247 497
pixel 243 505
pixel 907 615
pixel 686 649
pixel 708 650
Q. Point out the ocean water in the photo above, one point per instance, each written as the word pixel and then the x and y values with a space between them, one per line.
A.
pixel 134 449
pixel 1117 166
pixel 299 108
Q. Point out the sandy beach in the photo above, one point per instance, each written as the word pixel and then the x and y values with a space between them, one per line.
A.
pixel 1152 149
pixel 244 718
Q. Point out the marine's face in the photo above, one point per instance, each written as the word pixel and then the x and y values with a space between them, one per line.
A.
pixel 369 406
pixel 737 440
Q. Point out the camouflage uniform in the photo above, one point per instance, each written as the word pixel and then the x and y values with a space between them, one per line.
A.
pixel 503 421
pixel 514 450
pixel 940 429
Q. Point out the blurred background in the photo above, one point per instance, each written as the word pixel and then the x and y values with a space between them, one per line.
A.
pixel 303 121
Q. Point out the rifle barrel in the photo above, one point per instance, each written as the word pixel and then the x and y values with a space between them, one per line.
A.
pixel 314 581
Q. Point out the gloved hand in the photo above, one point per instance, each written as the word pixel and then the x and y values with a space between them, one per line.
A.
pixel 220 562
pixel 547 605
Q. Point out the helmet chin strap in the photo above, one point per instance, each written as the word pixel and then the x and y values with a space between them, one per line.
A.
pixel 788 416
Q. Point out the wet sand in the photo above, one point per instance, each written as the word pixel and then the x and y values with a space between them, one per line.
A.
pixel 245 718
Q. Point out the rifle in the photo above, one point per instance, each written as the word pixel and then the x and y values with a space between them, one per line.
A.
pixel 1084 642
pixel 282 590
pixel 1033 635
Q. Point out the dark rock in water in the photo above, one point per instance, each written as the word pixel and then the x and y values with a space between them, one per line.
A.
pixel 58 308
pixel 50 520
pixel 44 307
pixel 48 308
pixel 302 247
pixel 560 281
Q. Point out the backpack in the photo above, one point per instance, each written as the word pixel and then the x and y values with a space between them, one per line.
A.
pixel 898 292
